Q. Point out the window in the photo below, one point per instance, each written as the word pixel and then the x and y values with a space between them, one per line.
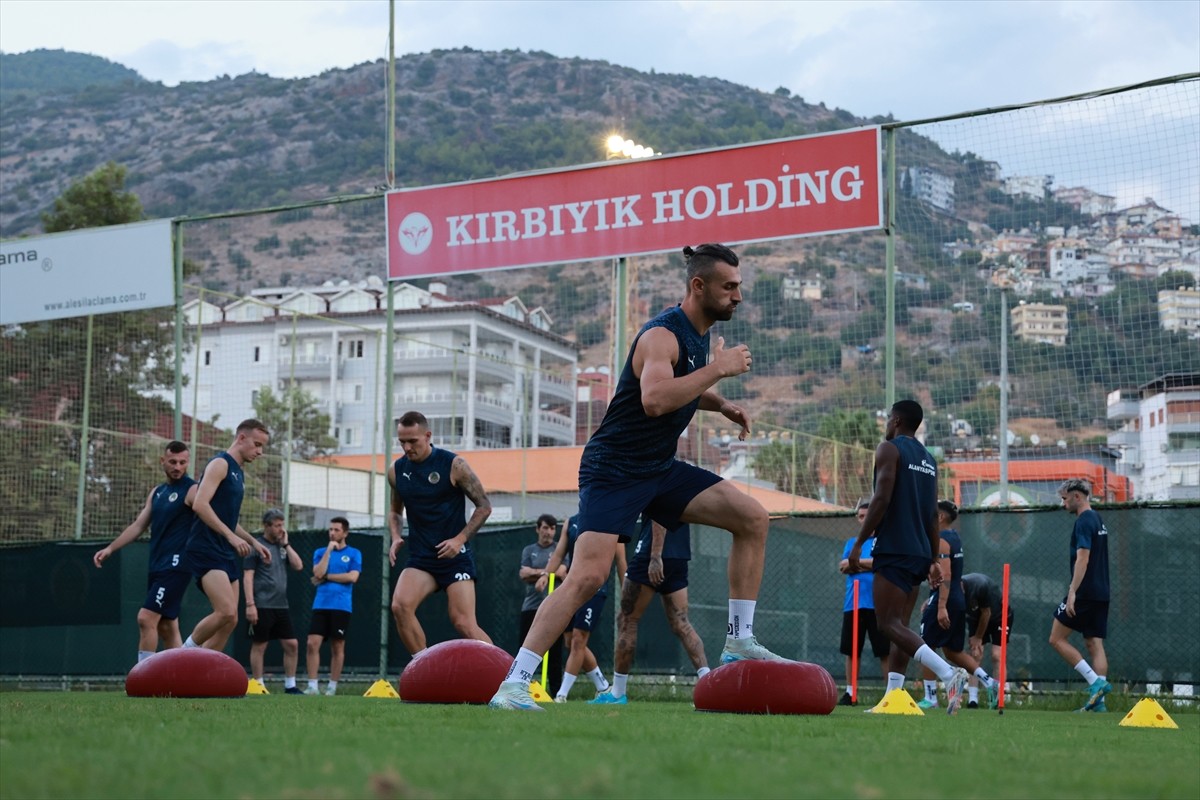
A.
pixel 257 354
pixel 208 358
pixel 352 393
pixel 351 437
pixel 353 348
pixel 254 398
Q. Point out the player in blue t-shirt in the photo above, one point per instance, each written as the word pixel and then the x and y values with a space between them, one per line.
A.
pixel 217 543
pixel 167 512
pixel 336 568
pixel 659 566
pixel 903 517
pixel 1085 608
pixel 430 486
pixel 629 466
pixel 867 626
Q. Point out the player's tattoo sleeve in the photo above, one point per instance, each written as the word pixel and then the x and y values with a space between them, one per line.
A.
pixel 466 480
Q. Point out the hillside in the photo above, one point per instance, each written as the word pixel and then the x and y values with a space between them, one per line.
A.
pixel 27 74
pixel 254 141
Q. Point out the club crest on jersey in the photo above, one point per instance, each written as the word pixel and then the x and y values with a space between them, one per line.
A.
pixel 172 497
pixel 345 559
pixel 434 477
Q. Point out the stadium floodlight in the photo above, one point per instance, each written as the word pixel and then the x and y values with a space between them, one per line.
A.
pixel 620 147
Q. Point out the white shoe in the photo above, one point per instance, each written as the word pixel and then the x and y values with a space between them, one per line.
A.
pixel 559 699
pixel 330 691
pixel 312 690
pixel 514 696
pixel 746 650
pixel 954 690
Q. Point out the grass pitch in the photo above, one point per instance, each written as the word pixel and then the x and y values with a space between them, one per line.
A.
pixel 106 745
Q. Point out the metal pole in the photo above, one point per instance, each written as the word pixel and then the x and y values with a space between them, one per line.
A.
pixel 620 315
pixel 83 431
pixel 177 242
pixel 1003 398
pixel 196 376
pixel 890 281
pixel 287 445
pixel 390 343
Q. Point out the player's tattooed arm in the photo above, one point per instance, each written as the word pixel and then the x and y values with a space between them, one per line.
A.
pixel 462 476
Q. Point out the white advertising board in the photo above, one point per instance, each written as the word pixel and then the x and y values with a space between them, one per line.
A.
pixel 92 271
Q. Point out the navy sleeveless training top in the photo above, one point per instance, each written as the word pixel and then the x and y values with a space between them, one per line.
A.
pixel 913 504
pixel 170 525
pixel 227 504
pixel 435 509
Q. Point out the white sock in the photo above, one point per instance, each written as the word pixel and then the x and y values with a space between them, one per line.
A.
pixel 847 688
pixel 332 687
pixel 741 619
pixel 312 684
pixel 524 666
pixel 598 680
pixel 618 684
pixel 1103 678
pixel 931 691
pixel 981 673
pixel 927 658
pixel 700 673
pixel 1089 675
pixel 895 680
pixel 568 681
pixel 289 682
pixel 973 694
pixel 144 654
pixel 190 642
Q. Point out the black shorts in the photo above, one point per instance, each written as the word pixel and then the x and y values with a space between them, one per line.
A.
pixel 273 623
pixel 164 592
pixel 1091 617
pixel 330 623
pixel 906 572
pixel 935 635
pixel 675 574
pixel 992 634
pixel 588 615
pixel 445 571
pixel 880 645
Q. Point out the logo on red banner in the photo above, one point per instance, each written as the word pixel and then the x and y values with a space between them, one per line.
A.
pixel 781 189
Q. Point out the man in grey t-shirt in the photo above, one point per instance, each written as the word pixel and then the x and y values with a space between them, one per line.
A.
pixel 534 560
pixel 267 614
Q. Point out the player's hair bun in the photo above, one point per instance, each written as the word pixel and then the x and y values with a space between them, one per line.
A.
pixel 688 251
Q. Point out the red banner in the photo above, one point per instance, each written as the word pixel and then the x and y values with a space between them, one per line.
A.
pixel 828 183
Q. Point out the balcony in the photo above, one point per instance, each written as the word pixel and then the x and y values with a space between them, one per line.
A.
pixel 1124 438
pixel 314 366
pixel 1183 458
pixel 1184 422
pixel 1123 407
pixel 551 423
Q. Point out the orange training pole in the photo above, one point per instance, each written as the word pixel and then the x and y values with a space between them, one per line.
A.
pixel 854 648
pixel 1003 638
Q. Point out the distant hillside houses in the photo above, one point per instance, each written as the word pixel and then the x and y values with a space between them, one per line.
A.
pixel 1143 241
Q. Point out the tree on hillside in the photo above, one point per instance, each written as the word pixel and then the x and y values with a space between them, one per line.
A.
pixel 309 425
pixel 843 455
pixel 41 398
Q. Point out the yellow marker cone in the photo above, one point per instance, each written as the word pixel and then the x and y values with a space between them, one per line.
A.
pixel 255 687
pixel 1148 714
pixel 898 701
pixel 538 693
pixel 381 688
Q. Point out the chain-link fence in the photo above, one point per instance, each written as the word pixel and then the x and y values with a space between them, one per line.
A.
pixel 1035 288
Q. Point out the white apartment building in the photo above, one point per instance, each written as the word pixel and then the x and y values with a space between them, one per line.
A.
pixel 1040 322
pixel 1087 201
pixel 487 374
pixel 1179 310
pixel 1035 187
pixel 932 187
pixel 1159 437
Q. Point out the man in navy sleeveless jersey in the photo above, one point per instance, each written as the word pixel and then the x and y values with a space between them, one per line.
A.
pixel 1085 608
pixel 431 486
pixel 944 618
pixel 903 516
pixel 217 543
pixel 659 566
pixel 629 465
pixel 167 512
